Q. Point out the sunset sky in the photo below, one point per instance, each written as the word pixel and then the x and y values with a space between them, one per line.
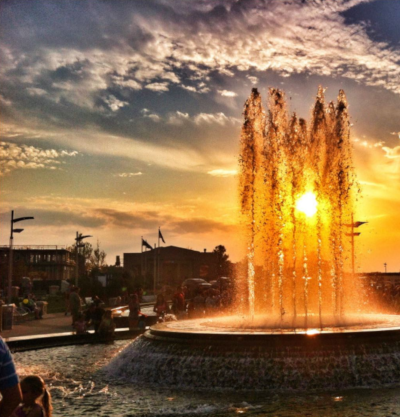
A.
pixel 119 117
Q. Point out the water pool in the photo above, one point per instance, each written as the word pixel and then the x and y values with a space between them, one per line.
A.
pixel 80 387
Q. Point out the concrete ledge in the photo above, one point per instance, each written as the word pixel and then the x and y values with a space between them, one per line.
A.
pixel 24 343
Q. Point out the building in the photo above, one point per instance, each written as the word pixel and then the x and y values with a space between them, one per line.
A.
pixel 170 265
pixel 48 263
pixel 381 279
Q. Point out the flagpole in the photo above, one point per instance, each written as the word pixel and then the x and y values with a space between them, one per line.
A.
pixel 158 257
pixel 154 269
pixel 141 258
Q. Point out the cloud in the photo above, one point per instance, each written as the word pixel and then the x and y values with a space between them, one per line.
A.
pixel 14 157
pixel 178 118
pixel 129 174
pixel 223 172
pixel 392 153
pixel 114 104
pixel 56 62
pixel 218 118
pixel 148 114
pixel 197 226
pixel 395 134
pixel 164 155
pixel 157 87
pixel 252 79
pixel 226 93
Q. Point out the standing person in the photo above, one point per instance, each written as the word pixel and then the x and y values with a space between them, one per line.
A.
pixel 9 384
pixel 178 302
pixel 134 311
pixel 161 306
pixel 75 304
pixel 36 401
pixel 97 315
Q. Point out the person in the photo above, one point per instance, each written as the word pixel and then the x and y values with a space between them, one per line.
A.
pixel 97 315
pixel 161 306
pixel 178 302
pixel 80 324
pixel 9 383
pixel 134 311
pixel 75 303
pixel 199 304
pixel 107 325
pixel 36 399
pixel 29 304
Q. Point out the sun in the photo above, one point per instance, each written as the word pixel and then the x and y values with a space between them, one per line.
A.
pixel 307 204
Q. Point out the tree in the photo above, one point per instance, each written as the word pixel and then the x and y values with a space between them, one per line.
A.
pixel 223 264
pixel 97 259
pixel 86 251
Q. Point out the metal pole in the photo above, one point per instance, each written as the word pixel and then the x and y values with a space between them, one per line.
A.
pixel 76 259
pixel 10 260
pixel 154 269
pixel 352 245
pixel 158 257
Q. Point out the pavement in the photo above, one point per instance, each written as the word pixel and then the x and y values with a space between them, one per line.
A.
pixel 51 323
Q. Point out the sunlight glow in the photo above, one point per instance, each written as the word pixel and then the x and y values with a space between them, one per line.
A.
pixel 307 204
pixel 312 332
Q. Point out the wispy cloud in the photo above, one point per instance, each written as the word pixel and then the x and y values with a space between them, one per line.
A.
pixel 223 172
pixel 129 174
pixel 14 157
pixel 392 153
pixel 183 158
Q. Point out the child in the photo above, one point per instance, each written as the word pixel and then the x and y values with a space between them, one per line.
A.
pixel 36 399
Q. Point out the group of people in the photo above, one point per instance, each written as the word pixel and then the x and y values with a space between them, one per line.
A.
pixel 93 316
pixel 30 398
pixel 204 303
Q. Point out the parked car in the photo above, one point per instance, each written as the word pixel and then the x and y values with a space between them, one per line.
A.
pixel 221 283
pixel 192 284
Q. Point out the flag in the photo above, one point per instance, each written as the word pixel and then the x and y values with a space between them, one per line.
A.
pixel 145 244
pixel 160 236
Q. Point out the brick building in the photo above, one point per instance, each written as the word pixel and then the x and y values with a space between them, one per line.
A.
pixel 170 265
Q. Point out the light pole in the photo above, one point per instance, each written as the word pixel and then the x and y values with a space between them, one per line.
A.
pixel 79 238
pixel 10 265
pixel 353 225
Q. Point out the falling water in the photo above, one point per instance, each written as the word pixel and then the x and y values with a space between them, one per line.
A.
pixel 297 263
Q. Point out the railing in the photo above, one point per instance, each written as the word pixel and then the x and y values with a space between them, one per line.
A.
pixel 36 247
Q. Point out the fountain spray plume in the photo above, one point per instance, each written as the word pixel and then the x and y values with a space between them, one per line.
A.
pixel 296 260
pixel 252 139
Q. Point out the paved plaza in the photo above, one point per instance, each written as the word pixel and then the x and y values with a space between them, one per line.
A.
pixel 51 323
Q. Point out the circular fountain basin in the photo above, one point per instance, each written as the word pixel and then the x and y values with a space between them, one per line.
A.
pixel 208 353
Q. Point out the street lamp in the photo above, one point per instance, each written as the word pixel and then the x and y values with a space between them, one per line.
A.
pixel 10 266
pixel 79 238
pixel 353 225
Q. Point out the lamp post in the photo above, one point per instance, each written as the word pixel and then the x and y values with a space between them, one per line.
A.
pixel 10 266
pixel 353 225
pixel 79 238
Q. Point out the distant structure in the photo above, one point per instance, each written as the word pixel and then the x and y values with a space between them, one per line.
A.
pixel 381 279
pixel 47 263
pixel 170 265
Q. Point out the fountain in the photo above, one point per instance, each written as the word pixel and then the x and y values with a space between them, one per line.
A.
pixel 301 321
